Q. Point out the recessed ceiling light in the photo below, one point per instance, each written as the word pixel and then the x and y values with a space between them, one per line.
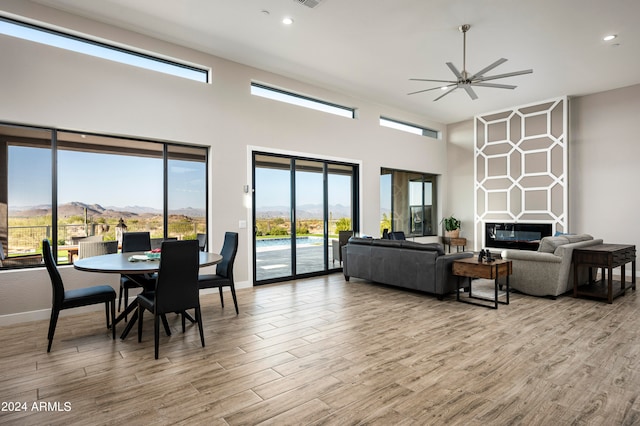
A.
pixel 287 20
pixel 609 37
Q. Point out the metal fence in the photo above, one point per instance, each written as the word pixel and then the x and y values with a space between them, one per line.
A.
pixel 28 239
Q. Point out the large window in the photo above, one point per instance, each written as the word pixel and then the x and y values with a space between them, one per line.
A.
pixel 67 186
pixel 300 100
pixel 408 202
pixel 88 46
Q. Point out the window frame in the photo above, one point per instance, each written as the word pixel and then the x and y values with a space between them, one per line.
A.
pixel 133 56
pixel 168 151
pixel 401 210
pixel 285 96
pixel 409 127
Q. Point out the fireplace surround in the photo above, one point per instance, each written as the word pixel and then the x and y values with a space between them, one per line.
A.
pixel 522 236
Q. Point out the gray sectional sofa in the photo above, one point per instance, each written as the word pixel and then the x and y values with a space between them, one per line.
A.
pixel 548 271
pixel 407 264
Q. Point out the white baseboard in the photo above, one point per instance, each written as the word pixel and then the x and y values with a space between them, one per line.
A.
pixel 45 314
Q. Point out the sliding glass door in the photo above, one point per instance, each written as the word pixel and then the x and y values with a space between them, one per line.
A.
pixel 299 205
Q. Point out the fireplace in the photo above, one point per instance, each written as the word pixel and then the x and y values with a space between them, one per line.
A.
pixel 523 236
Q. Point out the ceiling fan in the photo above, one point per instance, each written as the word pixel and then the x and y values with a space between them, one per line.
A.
pixel 466 80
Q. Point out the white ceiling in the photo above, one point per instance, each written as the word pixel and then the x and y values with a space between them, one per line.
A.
pixel 370 48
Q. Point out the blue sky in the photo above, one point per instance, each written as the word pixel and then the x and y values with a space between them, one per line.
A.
pixel 105 179
pixel 272 188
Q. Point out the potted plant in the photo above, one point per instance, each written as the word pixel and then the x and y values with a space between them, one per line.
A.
pixel 451 227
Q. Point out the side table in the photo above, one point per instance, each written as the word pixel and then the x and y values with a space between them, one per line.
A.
pixel 605 256
pixel 456 242
pixel 471 268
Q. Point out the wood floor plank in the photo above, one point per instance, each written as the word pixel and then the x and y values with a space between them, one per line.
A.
pixel 324 351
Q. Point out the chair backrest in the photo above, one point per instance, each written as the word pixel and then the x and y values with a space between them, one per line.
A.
pixel 343 237
pixel 202 241
pixel 398 235
pixel 91 238
pixel 156 243
pixel 385 234
pixel 54 274
pixel 228 253
pixel 136 241
pixel 177 285
pixel 98 248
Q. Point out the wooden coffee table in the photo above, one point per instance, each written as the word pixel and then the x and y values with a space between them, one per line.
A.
pixel 471 268
pixel 607 257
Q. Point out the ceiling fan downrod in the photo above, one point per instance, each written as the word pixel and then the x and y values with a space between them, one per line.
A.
pixel 463 29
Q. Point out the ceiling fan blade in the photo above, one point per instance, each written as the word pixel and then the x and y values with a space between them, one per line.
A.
pixel 454 70
pixel 509 74
pixel 489 68
pixel 497 86
pixel 433 88
pixel 445 94
pixel 436 81
pixel 470 92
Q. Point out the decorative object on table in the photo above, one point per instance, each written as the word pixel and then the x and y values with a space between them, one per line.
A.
pixel 66 299
pixel 488 256
pixel 481 255
pixel 451 227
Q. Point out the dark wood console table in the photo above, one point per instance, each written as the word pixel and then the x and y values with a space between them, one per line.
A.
pixel 605 256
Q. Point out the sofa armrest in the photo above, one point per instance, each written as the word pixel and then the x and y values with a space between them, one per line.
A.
pixel 446 282
pixel 533 256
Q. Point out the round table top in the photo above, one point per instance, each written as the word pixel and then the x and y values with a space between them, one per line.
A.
pixel 118 263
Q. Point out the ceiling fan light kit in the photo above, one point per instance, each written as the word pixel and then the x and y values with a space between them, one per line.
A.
pixel 465 80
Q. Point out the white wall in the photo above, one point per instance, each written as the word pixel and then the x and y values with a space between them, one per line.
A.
pixel 51 87
pixel 603 166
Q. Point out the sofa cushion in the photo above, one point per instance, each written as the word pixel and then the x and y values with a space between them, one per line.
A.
pixel 387 243
pixel 437 247
pixel 578 238
pixel 550 244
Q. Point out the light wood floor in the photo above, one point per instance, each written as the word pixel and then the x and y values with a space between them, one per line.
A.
pixel 324 351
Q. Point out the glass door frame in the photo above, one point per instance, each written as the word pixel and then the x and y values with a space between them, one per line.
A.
pixel 328 268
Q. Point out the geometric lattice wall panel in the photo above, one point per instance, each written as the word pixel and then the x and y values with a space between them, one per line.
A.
pixel 521 166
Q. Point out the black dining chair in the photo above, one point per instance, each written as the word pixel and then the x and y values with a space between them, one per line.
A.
pixel 176 287
pixel 202 241
pixel 66 299
pixel 134 242
pixel 224 270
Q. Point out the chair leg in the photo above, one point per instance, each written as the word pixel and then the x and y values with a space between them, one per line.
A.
pixel 156 335
pixel 106 312
pixel 140 314
pixel 199 320
pixel 221 297
pixel 233 294
pixel 165 323
pixel 120 298
pixel 183 315
pixel 112 305
pixel 126 301
pixel 52 327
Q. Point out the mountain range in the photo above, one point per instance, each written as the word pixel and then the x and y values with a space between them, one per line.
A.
pixel 77 208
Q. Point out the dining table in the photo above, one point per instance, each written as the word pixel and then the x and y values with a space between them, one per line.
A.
pixel 132 265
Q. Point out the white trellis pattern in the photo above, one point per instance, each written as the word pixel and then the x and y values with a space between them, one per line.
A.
pixel 521 166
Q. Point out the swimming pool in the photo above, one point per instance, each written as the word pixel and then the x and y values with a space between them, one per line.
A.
pixel 280 242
